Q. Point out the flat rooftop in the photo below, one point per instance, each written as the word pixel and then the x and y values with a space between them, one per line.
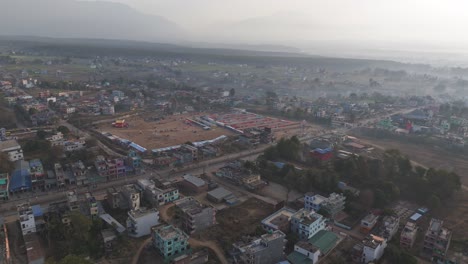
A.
pixel 279 218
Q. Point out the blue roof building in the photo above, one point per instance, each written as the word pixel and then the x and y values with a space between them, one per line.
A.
pixel 21 177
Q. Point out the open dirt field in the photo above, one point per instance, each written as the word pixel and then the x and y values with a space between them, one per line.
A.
pixel 173 130
pixel 237 221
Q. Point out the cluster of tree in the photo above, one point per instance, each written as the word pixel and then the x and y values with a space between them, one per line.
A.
pixel 301 180
pixel 81 238
pixel 49 155
pixel 70 259
pixel 393 176
pixel 22 115
pixel 394 254
pixel 457 108
pixel 6 166
pixel 387 179
pixel 287 149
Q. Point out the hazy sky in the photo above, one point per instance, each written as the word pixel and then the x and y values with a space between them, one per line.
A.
pixel 429 22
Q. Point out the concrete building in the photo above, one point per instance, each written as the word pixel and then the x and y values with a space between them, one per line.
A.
pixel 267 249
pixel 156 196
pixel 390 225
pixel 26 218
pixel 4 186
pixel 37 173
pixel 307 223
pixel 73 145
pixel 56 140
pixel 113 197
pixel 72 201
pixel 59 175
pixel 131 197
pixel 408 235
pixel 80 173
pixel 368 223
pixel 334 204
pixel 194 184
pixel 110 168
pixel 92 206
pixel 278 220
pixel 192 149
pixel 170 241
pixel 304 253
pixel 437 240
pixel 373 248
pixel 219 195
pixel 194 215
pixel 313 201
pixel 140 221
pixel 12 148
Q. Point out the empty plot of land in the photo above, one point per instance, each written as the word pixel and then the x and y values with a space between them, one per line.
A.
pixel 173 130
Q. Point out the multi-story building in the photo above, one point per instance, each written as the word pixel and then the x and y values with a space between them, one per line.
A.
pixel 192 149
pixel 373 249
pixel 157 196
pixel 437 240
pixel 4 185
pixel 26 218
pixel 133 160
pixel 313 201
pixel 140 221
pixel 80 173
pixel 131 196
pixel 368 223
pixel 113 198
pixel 92 205
pixel 59 175
pixel 193 184
pixel 73 145
pixel 390 225
pixel 408 235
pixel 37 174
pixel 195 216
pixel 307 223
pixel 72 201
pixel 110 168
pixel 334 204
pixel 170 241
pixel 12 148
pixel 56 140
pixel 267 249
pixel 278 220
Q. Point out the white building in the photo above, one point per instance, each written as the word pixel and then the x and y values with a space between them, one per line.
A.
pixel 313 201
pixel 390 226
pixel 374 248
pixel 74 145
pixel 307 223
pixel 26 218
pixel 56 140
pixel 307 250
pixel 139 222
pixel 12 148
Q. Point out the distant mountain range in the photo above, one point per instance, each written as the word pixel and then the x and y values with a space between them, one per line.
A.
pixel 80 19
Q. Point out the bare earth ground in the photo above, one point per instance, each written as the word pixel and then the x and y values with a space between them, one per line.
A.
pixel 454 212
pixel 158 134
pixel 235 222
